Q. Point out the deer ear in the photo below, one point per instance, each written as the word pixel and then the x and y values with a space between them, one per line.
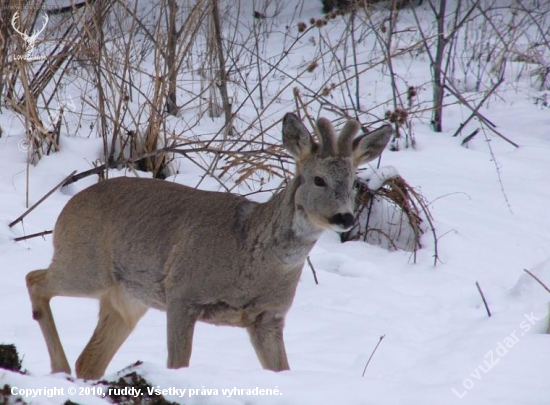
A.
pixel 296 138
pixel 371 145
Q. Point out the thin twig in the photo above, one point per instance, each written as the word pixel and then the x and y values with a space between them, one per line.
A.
pixel 312 270
pixel 477 108
pixel 372 354
pixel 537 279
pixel 428 216
pixel 49 193
pixel 34 235
pixel 497 168
pixel 95 170
pixel 483 298
pixel 481 117
pixel 469 137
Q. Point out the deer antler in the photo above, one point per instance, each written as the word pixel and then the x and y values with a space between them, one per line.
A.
pixel 37 33
pixel 13 23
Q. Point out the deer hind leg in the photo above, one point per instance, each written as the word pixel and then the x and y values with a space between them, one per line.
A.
pixel 40 293
pixel 59 280
pixel 266 335
pixel 118 315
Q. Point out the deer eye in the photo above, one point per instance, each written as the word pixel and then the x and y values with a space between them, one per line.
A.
pixel 319 181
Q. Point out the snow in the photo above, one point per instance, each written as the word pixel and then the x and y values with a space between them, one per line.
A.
pixel 439 345
pixel 375 178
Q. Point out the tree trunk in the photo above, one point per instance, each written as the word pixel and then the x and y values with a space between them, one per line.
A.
pixel 438 85
pixel 171 101
pixel 5 19
pixel 222 72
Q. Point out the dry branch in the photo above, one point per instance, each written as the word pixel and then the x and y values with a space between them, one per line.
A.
pixel 372 354
pixel 483 298
pixel 33 235
pixel 537 280
pixel 478 106
pixel 49 193
pixel 481 117
pixel 410 208
pixel 312 270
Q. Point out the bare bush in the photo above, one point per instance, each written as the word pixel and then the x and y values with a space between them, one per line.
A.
pixel 144 77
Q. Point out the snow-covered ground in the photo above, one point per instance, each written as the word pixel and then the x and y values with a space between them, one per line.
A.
pixel 440 347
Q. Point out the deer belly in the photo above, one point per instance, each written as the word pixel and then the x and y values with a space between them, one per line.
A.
pixel 221 313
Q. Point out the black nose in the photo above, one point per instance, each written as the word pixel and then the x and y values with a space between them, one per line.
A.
pixel 343 220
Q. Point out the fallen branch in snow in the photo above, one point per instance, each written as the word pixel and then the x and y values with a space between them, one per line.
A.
pixel 49 193
pixel 372 354
pixel 96 170
pixel 469 137
pixel 481 117
pixel 34 235
pixel 537 280
pixel 312 270
pixel 483 298
pixel 477 108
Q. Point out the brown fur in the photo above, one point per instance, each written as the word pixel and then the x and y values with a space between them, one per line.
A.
pixel 198 255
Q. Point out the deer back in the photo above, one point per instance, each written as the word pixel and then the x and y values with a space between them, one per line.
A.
pixel 223 253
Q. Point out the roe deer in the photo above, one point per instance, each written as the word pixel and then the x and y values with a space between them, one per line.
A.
pixel 198 255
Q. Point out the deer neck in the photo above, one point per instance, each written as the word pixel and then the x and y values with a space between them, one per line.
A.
pixel 283 228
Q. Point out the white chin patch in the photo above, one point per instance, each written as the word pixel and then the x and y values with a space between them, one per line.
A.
pixel 338 228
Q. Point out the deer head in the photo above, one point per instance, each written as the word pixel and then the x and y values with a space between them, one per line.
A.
pixel 29 39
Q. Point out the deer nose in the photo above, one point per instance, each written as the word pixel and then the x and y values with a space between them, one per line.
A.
pixel 343 220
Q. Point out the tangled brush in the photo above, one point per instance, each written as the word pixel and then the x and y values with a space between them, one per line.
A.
pixel 389 212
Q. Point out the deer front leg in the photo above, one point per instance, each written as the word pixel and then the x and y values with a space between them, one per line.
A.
pixel 266 335
pixel 181 319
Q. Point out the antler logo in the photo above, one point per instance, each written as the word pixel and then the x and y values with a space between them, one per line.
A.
pixel 29 39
